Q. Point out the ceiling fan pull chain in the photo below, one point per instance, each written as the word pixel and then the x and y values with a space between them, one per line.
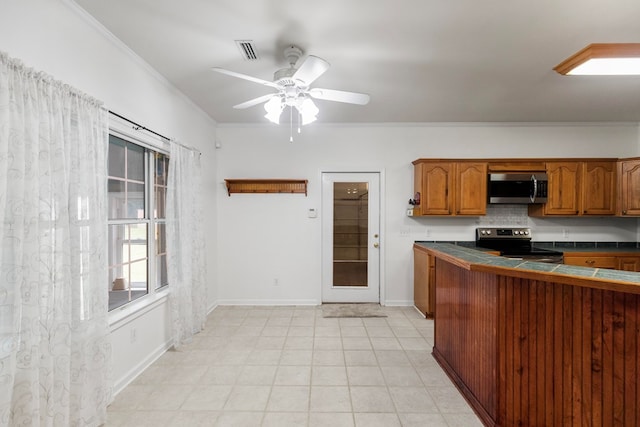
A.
pixel 290 124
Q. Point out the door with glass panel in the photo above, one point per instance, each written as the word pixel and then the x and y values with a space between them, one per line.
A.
pixel 351 237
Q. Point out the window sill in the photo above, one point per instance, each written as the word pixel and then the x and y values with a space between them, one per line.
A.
pixel 131 311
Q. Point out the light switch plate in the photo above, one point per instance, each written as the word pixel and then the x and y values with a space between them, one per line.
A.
pixel 312 213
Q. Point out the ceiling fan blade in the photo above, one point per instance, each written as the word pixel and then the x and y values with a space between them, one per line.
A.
pixel 254 101
pixel 312 68
pixel 340 96
pixel 244 76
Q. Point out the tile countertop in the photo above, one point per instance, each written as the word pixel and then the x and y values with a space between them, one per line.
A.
pixel 591 247
pixel 470 254
pixel 571 247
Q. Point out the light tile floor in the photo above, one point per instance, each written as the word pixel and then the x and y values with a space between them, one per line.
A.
pixel 289 366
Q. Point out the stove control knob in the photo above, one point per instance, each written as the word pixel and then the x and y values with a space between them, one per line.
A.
pixel 526 232
pixel 488 231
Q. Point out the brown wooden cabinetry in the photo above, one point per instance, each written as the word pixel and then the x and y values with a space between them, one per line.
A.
pixel 471 189
pixel 599 188
pixel 618 261
pixel 599 261
pixel 423 281
pixel 629 263
pixel 579 188
pixel 629 184
pixel 564 188
pixel 450 188
pixel 576 187
pixel 432 182
pixel 536 349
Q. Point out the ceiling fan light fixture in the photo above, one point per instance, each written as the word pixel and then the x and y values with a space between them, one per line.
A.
pixel 603 59
pixel 274 108
pixel 308 111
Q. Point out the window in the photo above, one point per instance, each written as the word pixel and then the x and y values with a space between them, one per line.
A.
pixel 137 258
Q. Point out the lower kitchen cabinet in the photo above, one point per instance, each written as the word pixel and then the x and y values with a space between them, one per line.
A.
pixel 591 261
pixel 423 281
pixel 626 262
pixel 629 263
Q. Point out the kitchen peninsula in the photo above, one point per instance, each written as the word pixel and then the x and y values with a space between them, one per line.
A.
pixel 529 343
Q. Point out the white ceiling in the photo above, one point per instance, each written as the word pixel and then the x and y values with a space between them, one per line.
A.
pixel 420 60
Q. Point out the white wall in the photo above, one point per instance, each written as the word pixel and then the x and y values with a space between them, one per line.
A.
pixel 262 237
pixel 56 37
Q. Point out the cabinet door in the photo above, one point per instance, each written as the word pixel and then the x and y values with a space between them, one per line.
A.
pixel 599 188
pixel 563 188
pixel 422 281
pixel 631 263
pixel 471 189
pixel 435 197
pixel 630 187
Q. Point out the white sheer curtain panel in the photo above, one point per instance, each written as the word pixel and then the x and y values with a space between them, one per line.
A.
pixel 186 266
pixel 54 342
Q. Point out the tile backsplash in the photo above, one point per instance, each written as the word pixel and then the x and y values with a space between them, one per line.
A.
pixel 505 215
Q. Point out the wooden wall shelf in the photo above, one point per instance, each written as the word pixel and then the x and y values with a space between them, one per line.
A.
pixel 266 186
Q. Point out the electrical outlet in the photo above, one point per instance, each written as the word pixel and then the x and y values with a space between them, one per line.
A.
pixel 565 233
pixel 133 335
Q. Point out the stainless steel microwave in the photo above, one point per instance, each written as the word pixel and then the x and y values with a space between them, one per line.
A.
pixel 517 188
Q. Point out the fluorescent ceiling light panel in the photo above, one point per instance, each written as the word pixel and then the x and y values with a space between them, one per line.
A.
pixel 601 59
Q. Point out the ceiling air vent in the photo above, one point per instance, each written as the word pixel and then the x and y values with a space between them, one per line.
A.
pixel 247 49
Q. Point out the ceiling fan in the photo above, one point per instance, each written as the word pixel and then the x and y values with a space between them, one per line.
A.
pixel 292 85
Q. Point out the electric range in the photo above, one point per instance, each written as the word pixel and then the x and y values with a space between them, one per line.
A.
pixel 515 243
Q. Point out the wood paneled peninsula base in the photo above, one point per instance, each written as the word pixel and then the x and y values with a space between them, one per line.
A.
pixel 538 345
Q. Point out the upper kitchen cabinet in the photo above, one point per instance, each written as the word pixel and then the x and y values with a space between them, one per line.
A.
pixel 599 188
pixel 471 189
pixel 579 188
pixel 450 187
pixel 563 190
pixel 629 199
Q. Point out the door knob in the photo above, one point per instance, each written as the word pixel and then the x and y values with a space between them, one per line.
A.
pixel 375 245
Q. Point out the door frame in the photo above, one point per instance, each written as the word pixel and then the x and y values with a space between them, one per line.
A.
pixel 382 225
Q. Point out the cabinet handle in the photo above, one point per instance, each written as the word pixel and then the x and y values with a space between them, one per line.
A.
pixel 624 212
pixel 590 261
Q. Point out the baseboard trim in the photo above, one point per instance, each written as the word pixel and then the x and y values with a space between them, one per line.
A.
pixel 286 302
pixel 398 303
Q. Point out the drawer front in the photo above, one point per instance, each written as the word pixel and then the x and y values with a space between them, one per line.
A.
pixel 592 261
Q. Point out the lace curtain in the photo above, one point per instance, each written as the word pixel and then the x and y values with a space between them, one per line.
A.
pixel 186 266
pixel 54 337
